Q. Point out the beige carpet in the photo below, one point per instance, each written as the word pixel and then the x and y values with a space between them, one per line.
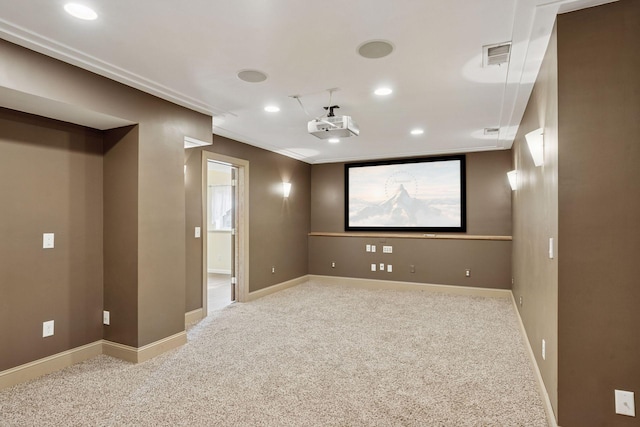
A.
pixel 313 355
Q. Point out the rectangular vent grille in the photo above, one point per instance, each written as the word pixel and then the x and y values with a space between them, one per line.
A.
pixel 491 131
pixel 496 54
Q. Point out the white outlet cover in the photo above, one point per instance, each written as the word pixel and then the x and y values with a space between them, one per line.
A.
pixel 373 267
pixel 106 317
pixel 373 248
pixel 368 248
pixel 48 240
pixel 197 232
pixel 544 350
pixel 47 328
pixel 625 403
pixel 389 268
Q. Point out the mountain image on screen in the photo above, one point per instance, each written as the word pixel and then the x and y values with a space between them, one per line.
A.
pixel 403 210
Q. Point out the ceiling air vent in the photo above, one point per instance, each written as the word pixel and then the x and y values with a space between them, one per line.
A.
pixel 496 54
pixel 491 131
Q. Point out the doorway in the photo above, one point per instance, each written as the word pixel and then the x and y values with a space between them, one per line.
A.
pixel 225 243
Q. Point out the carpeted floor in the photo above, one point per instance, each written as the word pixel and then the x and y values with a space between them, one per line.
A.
pixel 312 355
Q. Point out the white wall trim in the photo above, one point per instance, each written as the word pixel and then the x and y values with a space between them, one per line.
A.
pixel 252 296
pixel 412 286
pixel 149 351
pixel 49 364
pixel 218 271
pixel 546 401
pixel 193 316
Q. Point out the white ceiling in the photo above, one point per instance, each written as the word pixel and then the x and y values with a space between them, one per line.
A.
pixel 190 53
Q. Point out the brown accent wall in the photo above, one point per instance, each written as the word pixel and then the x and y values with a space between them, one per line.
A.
pixel 50 182
pixel 278 227
pixel 436 261
pixel 535 220
pixel 160 192
pixel 121 234
pixel 599 212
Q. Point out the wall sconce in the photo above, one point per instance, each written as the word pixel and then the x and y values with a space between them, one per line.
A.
pixel 513 179
pixel 286 189
pixel 535 141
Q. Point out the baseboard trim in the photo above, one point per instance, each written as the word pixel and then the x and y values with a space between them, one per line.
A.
pixel 412 286
pixel 546 401
pixel 193 316
pixel 218 271
pixel 49 364
pixel 252 296
pixel 149 351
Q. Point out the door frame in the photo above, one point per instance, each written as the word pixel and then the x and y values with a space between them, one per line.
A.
pixel 241 237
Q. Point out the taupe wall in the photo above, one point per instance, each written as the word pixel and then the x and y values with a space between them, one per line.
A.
pixel 50 182
pixel 435 261
pixel 160 222
pixel 121 234
pixel 599 213
pixel 535 220
pixel 278 227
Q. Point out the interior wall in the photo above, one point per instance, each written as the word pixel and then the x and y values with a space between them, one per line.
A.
pixel 121 234
pixel 599 208
pixel 535 220
pixel 278 227
pixel 436 261
pixel 161 268
pixel 50 182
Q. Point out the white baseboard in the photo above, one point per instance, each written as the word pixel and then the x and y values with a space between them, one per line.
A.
pixel 193 316
pixel 49 364
pixel 275 288
pixel 149 351
pixel 546 401
pixel 412 286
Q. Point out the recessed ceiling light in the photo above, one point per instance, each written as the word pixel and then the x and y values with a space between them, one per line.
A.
pixel 375 49
pixel 80 11
pixel 334 140
pixel 417 132
pixel 383 91
pixel 271 109
pixel 252 76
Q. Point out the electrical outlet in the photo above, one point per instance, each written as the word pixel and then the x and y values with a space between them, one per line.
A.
pixel 544 349
pixel 381 266
pixel 373 267
pixel 333 265
pixel 47 328
pixel 387 249
pixel 373 248
pixel 273 270
pixel 47 240
pixel 106 317
pixel 467 272
pixel 520 301
pixel 197 233
pixel 368 248
pixel 389 268
pixel 412 268
pixel 625 404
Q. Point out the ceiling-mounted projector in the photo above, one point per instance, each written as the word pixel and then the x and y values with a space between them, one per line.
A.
pixel 333 127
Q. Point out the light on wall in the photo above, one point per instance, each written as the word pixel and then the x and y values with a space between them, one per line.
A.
pixel 535 141
pixel 513 179
pixel 286 189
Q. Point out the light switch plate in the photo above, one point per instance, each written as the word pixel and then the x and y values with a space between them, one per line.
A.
pixel 373 267
pixel 625 403
pixel 197 232
pixel 389 268
pixel 106 317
